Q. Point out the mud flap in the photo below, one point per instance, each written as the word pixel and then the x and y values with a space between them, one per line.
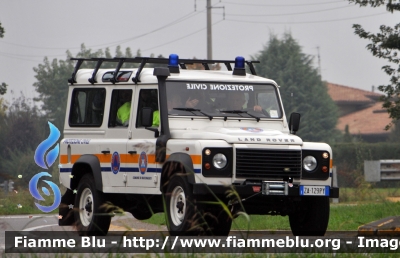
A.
pixel 65 210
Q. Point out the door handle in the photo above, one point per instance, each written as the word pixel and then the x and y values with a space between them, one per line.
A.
pixel 132 152
pixel 105 151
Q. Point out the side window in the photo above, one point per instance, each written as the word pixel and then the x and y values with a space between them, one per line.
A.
pixel 148 98
pixel 87 107
pixel 120 110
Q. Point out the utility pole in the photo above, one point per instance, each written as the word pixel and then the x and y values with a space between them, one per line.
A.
pixel 209 32
pixel 209 28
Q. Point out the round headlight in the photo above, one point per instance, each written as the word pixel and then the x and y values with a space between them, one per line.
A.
pixel 219 160
pixel 309 163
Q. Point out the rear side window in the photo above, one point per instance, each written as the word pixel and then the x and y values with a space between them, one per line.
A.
pixel 87 107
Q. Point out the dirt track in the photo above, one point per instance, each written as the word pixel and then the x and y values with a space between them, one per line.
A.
pixel 128 222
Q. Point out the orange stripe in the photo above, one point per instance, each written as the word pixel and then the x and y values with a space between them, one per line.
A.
pixel 196 159
pixel 126 158
pixel 104 158
pixel 63 159
pixel 331 163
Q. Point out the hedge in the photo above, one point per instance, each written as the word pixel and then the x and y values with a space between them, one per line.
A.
pixel 349 160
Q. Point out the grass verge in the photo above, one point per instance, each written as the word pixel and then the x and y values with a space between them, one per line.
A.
pixel 342 217
pixel 21 202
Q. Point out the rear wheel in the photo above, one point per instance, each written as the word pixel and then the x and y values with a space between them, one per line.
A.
pixel 91 215
pixel 311 218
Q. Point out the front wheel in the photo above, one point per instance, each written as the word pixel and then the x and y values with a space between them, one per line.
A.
pixel 311 218
pixel 90 215
pixel 180 207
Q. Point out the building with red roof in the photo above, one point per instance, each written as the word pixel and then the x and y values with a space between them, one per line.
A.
pixel 361 111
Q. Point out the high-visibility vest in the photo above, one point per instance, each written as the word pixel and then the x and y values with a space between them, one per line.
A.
pixel 124 112
pixel 156 118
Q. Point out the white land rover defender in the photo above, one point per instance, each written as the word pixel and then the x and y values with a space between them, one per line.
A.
pixel 199 145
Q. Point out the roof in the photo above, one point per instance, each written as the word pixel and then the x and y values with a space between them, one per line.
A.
pixel 146 76
pixel 371 120
pixel 343 94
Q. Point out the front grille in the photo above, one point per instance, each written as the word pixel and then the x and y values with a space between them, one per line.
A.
pixel 258 164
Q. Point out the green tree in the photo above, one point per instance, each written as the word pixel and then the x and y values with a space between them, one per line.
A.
pixel 3 88
pixel 52 87
pixel 1 31
pixel 21 130
pixel 301 88
pixel 386 45
pixel 52 84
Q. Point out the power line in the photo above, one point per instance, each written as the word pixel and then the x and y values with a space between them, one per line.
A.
pixel 158 29
pixel 285 14
pixel 197 31
pixel 306 22
pixel 281 5
pixel 19 58
pixel 169 42
pixel 110 44
pixel 23 55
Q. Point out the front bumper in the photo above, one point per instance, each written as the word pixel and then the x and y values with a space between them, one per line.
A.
pixel 248 190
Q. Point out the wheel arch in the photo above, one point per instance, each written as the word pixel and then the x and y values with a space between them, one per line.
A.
pixel 175 163
pixel 87 164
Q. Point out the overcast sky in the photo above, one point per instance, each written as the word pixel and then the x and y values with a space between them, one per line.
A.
pixel 40 28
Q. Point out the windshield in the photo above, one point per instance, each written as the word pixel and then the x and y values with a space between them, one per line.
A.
pixel 223 100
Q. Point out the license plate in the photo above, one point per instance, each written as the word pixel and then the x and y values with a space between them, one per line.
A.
pixel 314 190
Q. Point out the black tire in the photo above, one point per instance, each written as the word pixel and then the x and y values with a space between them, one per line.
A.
pixel 311 218
pixel 181 209
pixel 91 217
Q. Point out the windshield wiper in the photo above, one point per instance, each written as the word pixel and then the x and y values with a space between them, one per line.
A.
pixel 240 112
pixel 194 109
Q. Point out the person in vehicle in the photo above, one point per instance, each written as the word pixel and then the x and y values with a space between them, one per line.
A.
pixel 124 110
pixel 175 102
pixel 237 100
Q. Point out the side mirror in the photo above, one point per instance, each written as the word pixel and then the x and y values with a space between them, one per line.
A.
pixel 147 120
pixel 294 122
pixel 147 116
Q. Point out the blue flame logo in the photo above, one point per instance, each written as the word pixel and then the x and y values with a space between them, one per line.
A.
pixel 45 145
pixel 35 193
pixel 50 159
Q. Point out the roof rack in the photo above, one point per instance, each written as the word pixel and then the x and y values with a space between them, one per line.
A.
pixel 142 61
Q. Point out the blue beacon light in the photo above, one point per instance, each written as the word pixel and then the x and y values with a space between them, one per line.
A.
pixel 173 63
pixel 239 66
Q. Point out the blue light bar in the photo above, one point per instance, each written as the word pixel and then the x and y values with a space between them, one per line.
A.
pixel 239 62
pixel 173 63
pixel 239 66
